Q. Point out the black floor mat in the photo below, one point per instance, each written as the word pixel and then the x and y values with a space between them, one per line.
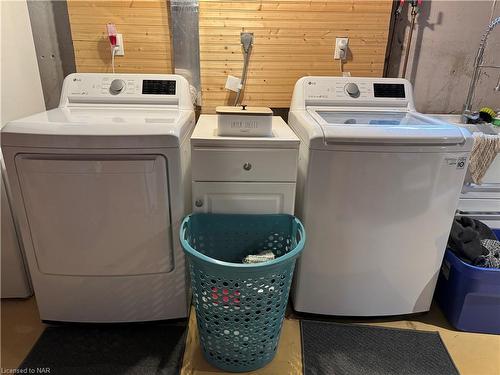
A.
pixel 132 349
pixel 349 349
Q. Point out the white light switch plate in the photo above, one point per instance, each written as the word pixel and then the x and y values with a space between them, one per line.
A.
pixel 120 51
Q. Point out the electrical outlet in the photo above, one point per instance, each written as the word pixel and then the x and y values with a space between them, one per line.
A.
pixel 341 47
pixel 120 51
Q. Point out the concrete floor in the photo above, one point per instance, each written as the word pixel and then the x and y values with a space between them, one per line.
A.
pixel 19 329
pixel 473 354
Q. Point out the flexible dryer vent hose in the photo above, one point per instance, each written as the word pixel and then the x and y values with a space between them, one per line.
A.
pixel 246 43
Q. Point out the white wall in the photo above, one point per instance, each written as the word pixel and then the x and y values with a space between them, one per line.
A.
pixel 21 95
pixel 21 90
pixel 444 45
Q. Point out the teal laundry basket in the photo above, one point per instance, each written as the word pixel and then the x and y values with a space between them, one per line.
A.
pixel 240 307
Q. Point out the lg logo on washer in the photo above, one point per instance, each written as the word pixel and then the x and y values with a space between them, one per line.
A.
pixel 458 162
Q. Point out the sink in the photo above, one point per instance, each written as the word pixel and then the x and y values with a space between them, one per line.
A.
pixel 454 119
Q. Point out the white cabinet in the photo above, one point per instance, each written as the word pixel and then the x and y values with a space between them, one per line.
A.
pixel 243 174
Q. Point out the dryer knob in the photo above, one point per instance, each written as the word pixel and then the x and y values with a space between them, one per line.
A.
pixel 117 86
pixel 352 90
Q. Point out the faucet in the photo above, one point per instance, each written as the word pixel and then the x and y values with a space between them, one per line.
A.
pixel 468 114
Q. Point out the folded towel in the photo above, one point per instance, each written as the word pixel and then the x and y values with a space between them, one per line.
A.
pixel 263 256
pixel 484 150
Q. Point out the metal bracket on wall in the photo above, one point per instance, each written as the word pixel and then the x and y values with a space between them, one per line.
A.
pixel 184 17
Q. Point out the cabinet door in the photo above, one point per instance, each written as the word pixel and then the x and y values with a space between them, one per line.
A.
pixel 243 197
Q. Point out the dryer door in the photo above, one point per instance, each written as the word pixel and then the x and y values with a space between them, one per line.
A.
pixel 97 215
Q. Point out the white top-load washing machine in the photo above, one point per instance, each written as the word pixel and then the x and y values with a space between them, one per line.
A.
pixel 100 186
pixel 378 185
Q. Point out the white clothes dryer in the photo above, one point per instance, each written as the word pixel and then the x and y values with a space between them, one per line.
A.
pixel 100 186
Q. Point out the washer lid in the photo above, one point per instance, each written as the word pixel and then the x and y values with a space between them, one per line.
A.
pixel 385 127
pixel 100 127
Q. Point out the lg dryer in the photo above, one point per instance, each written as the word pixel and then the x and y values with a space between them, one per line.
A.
pixel 378 185
pixel 100 186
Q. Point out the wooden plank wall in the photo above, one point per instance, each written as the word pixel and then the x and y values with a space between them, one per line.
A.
pixel 293 38
pixel 145 28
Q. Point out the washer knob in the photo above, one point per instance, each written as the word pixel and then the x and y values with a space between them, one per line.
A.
pixel 352 90
pixel 117 86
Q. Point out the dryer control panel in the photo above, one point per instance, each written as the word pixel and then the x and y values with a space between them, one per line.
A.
pixel 102 88
pixel 352 91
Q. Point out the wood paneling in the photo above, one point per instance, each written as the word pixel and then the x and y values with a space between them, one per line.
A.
pixel 293 38
pixel 145 28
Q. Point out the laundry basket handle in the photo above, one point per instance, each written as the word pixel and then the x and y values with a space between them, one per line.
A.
pixel 300 235
pixel 184 227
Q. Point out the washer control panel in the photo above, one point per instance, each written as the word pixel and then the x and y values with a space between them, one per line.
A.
pixel 352 91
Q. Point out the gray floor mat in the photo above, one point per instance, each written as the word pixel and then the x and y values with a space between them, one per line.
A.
pixel 132 349
pixel 349 349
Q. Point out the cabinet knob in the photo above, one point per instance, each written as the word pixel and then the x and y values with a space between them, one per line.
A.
pixel 247 166
pixel 198 203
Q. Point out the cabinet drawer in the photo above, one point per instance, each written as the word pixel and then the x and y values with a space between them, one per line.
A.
pixel 244 197
pixel 242 164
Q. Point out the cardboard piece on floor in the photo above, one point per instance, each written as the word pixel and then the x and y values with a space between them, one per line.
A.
pixel 288 359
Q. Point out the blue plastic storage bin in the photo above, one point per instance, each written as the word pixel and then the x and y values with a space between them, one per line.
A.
pixel 240 307
pixel 468 295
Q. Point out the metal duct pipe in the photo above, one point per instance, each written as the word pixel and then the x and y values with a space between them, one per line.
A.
pixel 184 17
